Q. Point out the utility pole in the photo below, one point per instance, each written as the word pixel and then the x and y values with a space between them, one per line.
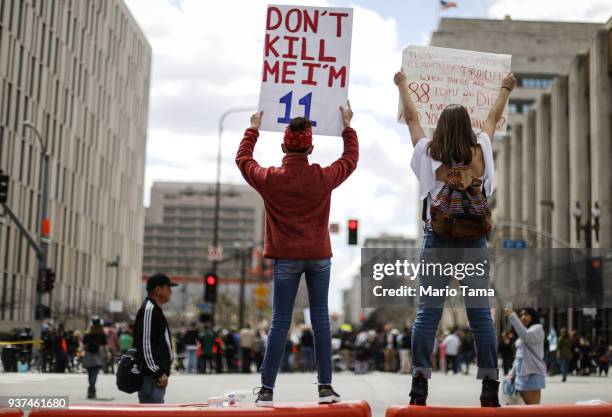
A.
pixel 218 195
pixel 42 217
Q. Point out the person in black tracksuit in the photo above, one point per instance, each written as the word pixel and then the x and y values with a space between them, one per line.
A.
pixel 153 340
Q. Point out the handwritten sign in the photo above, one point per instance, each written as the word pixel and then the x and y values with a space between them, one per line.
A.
pixel 438 77
pixel 305 71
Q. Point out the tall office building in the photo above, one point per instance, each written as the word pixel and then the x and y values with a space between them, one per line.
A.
pixel 79 71
pixel 179 230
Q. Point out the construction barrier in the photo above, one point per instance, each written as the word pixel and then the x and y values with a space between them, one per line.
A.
pixel 596 410
pixel 343 409
pixel 10 412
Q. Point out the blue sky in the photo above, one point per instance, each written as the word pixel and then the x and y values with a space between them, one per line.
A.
pixel 207 58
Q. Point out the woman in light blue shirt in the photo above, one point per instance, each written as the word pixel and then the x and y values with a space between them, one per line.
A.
pixel 529 368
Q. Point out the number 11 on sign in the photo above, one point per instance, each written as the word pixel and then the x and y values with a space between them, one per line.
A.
pixel 304 101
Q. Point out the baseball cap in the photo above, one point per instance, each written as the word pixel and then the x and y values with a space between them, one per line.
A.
pixel 159 280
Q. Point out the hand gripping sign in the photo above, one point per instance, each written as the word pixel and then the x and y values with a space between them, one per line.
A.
pixel 305 73
pixel 438 77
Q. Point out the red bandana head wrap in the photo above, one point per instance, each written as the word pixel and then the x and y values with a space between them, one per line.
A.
pixel 297 141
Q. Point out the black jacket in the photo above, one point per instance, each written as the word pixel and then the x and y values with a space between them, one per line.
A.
pixel 153 339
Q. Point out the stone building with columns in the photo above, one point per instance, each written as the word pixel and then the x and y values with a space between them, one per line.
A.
pixel 553 181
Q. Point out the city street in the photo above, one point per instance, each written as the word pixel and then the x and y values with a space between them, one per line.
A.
pixel 379 389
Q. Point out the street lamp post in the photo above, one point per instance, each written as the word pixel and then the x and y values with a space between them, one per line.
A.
pixel 43 241
pixel 218 192
pixel 591 225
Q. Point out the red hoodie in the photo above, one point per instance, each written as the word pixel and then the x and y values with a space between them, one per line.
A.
pixel 297 197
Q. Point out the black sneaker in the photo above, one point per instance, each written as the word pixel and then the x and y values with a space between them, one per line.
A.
pixel 489 396
pixel 264 397
pixel 419 391
pixel 328 395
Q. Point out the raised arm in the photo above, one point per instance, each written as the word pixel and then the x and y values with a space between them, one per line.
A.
pixel 409 110
pixel 496 111
pixel 339 171
pixel 250 169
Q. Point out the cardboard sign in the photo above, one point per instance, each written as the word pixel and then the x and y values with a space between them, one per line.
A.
pixel 305 71
pixel 438 77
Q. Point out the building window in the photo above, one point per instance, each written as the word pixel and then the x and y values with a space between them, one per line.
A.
pixel 532 81
pixel 518 106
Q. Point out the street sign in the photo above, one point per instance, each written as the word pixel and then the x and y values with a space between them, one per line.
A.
pixel 261 291
pixel 205 308
pixel 215 253
pixel 514 244
pixel 115 306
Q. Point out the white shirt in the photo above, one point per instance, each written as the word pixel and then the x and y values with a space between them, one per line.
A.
pixel 425 168
pixel 451 344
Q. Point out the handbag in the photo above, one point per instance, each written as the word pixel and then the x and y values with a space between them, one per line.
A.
pixel 129 373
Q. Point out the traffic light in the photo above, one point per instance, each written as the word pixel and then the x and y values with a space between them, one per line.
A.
pixel 595 276
pixel 49 280
pixel 42 312
pixel 4 186
pixel 353 228
pixel 210 293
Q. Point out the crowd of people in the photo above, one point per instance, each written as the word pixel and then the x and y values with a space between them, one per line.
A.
pixel 202 349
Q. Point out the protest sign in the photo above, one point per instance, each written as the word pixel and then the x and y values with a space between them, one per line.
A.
pixel 438 77
pixel 305 71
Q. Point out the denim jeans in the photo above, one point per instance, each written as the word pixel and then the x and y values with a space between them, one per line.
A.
pixel 428 317
pixel 150 392
pixel 287 275
pixel 92 375
pixel 192 359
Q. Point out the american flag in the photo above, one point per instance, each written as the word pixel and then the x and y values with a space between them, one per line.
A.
pixel 444 5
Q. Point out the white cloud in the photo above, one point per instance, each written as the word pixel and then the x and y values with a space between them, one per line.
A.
pixel 208 57
pixel 585 10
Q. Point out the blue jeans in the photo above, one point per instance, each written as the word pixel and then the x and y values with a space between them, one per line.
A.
pixel 428 317
pixel 150 392
pixel 92 375
pixel 287 275
pixel 192 359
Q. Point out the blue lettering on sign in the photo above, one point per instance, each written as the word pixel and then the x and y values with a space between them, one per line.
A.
pixel 304 101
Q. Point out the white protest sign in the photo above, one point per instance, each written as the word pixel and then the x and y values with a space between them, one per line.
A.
pixel 305 73
pixel 438 77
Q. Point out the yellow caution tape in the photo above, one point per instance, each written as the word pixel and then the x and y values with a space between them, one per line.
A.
pixel 22 342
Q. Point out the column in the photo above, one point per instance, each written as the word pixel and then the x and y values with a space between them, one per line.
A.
pixel 543 168
pixel 516 194
pixel 580 178
pixel 559 150
pixel 601 134
pixel 528 170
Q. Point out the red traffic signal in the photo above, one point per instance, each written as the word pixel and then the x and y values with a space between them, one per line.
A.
pixel 596 263
pixel 210 288
pixel 353 227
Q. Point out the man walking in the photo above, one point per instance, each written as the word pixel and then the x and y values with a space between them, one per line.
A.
pixel 153 340
pixel 297 197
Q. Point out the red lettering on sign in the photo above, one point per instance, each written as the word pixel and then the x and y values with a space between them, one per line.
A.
pixel 304 54
pixel 273 11
pixel 272 70
pixel 298 22
pixel 334 75
pixel 322 56
pixel 311 21
pixel 311 66
pixel 287 72
pixel 290 41
pixel 269 45
pixel 339 17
